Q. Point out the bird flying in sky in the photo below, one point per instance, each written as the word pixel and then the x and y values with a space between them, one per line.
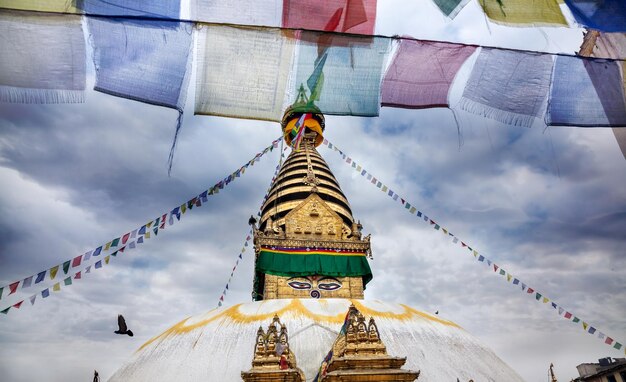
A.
pixel 123 329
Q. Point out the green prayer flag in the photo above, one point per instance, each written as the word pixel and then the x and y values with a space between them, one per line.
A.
pixel 114 253
pixel 7 311
pixel 617 345
pixel 115 242
pixel 450 8
pixel 538 296
pixel 502 272
pixel 67 281
pixel 66 266
pixel 576 319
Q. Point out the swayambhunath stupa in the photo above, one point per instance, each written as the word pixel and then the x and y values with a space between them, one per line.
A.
pixel 430 190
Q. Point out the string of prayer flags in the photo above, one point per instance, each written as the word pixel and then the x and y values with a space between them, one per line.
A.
pixel 586 93
pixel 422 72
pixel 352 16
pixel 143 60
pixel 352 71
pixel 257 12
pixel 243 72
pixel 515 89
pixel 134 8
pixel 240 257
pixel 521 13
pixel 602 15
pixel 451 8
pixel 139 233
pixel 27 75
pixel 492 266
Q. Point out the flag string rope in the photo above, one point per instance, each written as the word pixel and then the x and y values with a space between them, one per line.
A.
pixel 126 241
pixel 540 297
pixel 199 24
pixel 249 237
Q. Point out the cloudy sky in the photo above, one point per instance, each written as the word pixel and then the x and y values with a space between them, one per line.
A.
pixel 548 205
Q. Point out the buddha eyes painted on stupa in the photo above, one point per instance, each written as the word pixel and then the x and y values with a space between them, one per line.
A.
pixel 315 284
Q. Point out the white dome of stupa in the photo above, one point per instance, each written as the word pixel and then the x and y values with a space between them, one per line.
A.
pixel 219 345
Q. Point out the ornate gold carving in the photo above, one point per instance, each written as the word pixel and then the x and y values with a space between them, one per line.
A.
pixel 359 354
pixel 273 360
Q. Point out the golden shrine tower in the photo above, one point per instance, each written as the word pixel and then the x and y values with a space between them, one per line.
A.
pixel 310 320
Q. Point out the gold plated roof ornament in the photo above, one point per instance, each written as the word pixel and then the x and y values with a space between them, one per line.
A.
pixel 293 113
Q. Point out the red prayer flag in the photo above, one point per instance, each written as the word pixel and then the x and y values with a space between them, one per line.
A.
pixel 17 306
pixel 495 268
pixel 125 238
pixel 77 276
pixel 530 290
pixel 76 261
pixel 608 340
pixel 568 315
pixel 13 287
pixel 353 16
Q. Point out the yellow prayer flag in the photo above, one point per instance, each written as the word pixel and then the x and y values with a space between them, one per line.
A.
pixel 585 325
pixel 149 224
pixel 359 168
pixel 508 277
pixel 384 189
pixel 107 246
pixel 53 272
pixel 183 207
pixel 516 12
pixel 56 287
pixel 106 259
pixel 412 210
pixel 475 253
pixel 147 235
pixel 445 231
pixel 545 300
pixel 59 6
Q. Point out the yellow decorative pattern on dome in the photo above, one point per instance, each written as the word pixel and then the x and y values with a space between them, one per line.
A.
pixel 234 314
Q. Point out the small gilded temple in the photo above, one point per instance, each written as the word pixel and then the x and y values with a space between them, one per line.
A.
pixel 309 320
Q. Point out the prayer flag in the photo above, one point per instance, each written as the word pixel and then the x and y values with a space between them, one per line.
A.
pixel 137 8
pixel 530 290
pixel 27 282
pixel 515 281
pixel 353 16
pixel 575 319
pixel 140 240
pixel 508 277
pixel 592 330
pixel 560 311
pixel 17 305
pixel 502 272
pixel 32 299
pixel 545 300
pixel 66 266
pixel 586 93
pixel 495 268
pixel 88 269
pixel 76 261
pixel 241 12
pixel 601 335
pixel 97 251
pixel 608 340
pixel 58 6
pixel 106 259
pixel 56 287
pixel 98 264
pixel 422 72
pixel 45 293
pixel 450 8
pixel 107 246
pixel 617 346
pixel 27 74
pixel 352 71
pixel 67 281
pixel 77 276
pixel 412 210
pixel 13 287
pixel 568 315
pixel 125 238
pixel 5 311
pixel 603 15
pixel 115 242
pixel 516 89
pixel 243 72
pixel 516 12
pixel 481 258
pixel 131 245
pixel 134 233
pixel 87 255
pixel 40 276
pixel 395 196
